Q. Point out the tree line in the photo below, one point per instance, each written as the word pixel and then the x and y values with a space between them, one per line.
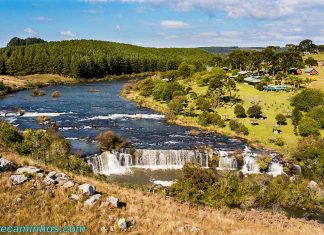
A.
pixel 93 59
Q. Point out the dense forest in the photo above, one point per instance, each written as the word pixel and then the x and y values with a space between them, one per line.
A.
pixel 24 42
pixel 93 59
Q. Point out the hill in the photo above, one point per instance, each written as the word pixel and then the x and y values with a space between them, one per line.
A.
pixel 227 50
pixel 89 58
pixel 37 202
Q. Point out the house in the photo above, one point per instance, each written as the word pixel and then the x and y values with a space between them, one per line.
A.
pixel 243 73
pixel 311 71
pixel 252 80
pixel 295 71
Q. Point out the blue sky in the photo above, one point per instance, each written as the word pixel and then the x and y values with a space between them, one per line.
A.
pixel 166 23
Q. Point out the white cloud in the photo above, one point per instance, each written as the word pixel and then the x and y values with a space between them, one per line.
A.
pixel 173 24
pixel 29 31
pixel 68 34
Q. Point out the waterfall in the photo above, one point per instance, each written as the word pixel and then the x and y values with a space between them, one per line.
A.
pixel 120 162
pixel 250 164
pixel 275 168
pixel 226 162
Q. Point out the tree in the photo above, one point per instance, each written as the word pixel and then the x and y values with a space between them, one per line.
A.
pixel 176 104
pixel 317 113
pixel 310 61
pixel 308 126
pixel 239 111
pixel 254 111
pixel 281 119
pixel 307 99
pixel 307 45
pixel 296 115
pixel 184 70
pixel 203 104
pixel 310 155
pixel 108 140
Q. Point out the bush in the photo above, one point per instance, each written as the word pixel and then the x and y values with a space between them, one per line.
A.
pixel 308 126
pixel 166 90
pixel 296 116
pixel 310 156
pixel 317 113
pixel 108 140
pixel 254 111
pixel 37 92
pixel 264 162
pixel 239 111
pixel 307 99
pixel 145 87
pixel 277 141
pixel 203 104
pixel 56 94
pixel 176 104
pixel 238 127
pixel 281 119
pixel 9 135
pixel 207 118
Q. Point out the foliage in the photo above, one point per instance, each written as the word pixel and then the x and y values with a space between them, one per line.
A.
pixel 23 42
pixel 310 61
pixel 239 111
pixel 166 90
pixel 308 126
pixel 207 118
pixel 203 104
pixel 184 70
pixel 296 116
pixel 94 59
pixel 238 127
pixel 254 111
pixel 277 141
pixel 145 87
pixel 307 99
pixel 264 162
pixel 9 135
pixel 176 104
pixel 310 156
pixel 108 140
pixel 317 113
pixel 281 119
pixel 217 189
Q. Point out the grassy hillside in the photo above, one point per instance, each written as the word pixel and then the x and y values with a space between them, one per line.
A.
pixel 152 213
pixel 89 58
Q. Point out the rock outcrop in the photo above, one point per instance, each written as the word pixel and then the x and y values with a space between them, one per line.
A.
pixel 6 165
pixel 18 179
pixel 28 170
pixel 87 189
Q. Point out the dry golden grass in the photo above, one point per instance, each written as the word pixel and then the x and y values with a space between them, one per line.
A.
pixel 157 214
pixel 22 82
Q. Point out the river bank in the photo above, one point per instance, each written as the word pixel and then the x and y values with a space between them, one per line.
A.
pixel 191 122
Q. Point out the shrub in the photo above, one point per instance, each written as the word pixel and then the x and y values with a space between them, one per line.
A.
pixel 9 135
pixel 296 116
pixel 317 113
pixel 307 99
pixel 37 92
pixel 310 156
pixel 166 90
pixel 239 111
pixel 184 70
pixel 108 140
pixel 56 94
pixel 308 126
pixel 176 104
pixel 264 162
pixel 207 118
pixel 238 127
pixel 203 119
pixel 281 119
pixel 203 104
pixel 254 111
pixel 277 141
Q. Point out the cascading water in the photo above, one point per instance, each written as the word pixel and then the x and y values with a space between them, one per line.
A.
pixel 120 162
pixel 226 162
pixel 275 168
pixel 250 164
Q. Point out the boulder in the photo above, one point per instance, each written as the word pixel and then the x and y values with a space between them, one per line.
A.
pixel 18 179
pixel 51 175
pixel 113 201
pixel 87 188
pixel 91 200
pixel 313 185
pixel 28 170
pixel 68 184
pixel 49 181
pixel 194 230
pixel 6 165
pixel 75 197
pixel 122 224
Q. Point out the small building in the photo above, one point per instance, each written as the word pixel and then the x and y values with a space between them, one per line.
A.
pixel 243 73
pixel 252 80
pixel 311 71
pixel 295 71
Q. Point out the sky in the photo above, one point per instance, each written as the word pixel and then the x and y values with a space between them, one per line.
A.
pixel 166 23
